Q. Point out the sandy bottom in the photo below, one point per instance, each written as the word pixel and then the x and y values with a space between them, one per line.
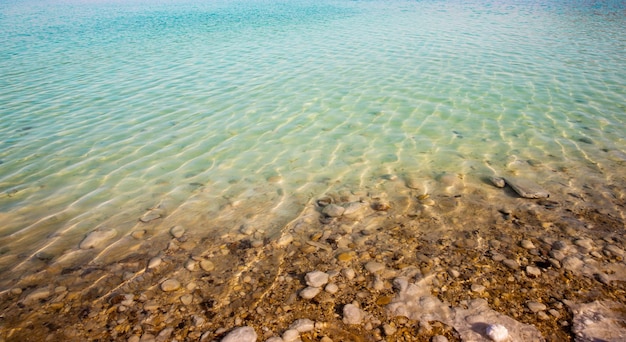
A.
pixel 415 264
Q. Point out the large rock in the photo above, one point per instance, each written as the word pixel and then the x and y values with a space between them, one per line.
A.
pixel 599 321
pixel 526 188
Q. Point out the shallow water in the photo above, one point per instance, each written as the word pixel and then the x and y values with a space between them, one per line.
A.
pixel 226 112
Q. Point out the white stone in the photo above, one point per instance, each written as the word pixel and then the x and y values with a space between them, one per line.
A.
pixel 241 334
pixel 316 278
pixel 274 339
pixel 439 338
pixel 352 314
pixel 97 238
pixel 310 292
pixel 497 332
pixel 291 335
pixel 536 307
pixel 302 325
pixel 348 273
pixel 331 288
pixel 533 271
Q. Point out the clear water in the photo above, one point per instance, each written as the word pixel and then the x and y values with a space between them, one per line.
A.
pixel 109 108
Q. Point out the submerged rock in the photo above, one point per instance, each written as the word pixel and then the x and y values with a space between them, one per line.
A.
pixel 498 182
pixel 97 238
pixel 526 188
pixel 333 210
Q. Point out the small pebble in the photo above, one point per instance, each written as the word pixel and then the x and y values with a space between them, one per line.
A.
pixel 439 338
pixel 536 306
pixel 154 262
pixel 331 288
pixel 533 271
pixel 527 244
pixel 310 292
pixel 374 267
pixel 186 299
pixel 510 263
pixel 478 288
pixel 206 265
pixel 333 210
pixel 241 334
pixel 348 273
pixel 316 278
pixel 302 325
pixel 170 285
pixel 177 231
pixel 352 314
pixel 498 182
pixel 291 335
pixel 389 330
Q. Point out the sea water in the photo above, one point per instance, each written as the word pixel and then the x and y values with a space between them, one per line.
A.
pixel 217 110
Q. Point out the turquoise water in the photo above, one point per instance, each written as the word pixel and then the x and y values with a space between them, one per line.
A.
pixel 110 108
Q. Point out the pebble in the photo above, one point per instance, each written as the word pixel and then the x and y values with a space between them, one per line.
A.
pixel 478 288
pixel 572 263
pixel 510 263
pixel 498 182
pixel 291 335
pixel 274 339
pixel 536 306
pixel 191 265
pixel 284 240
pixel 585 244
pixel 331 288
pixel 316 278
pixel 241 334
pixel 170 285
pixel 533 271
pixel 374 267
pixel 333 210
pixel 603 278
pixel 154 262
pixel 97 238
pixel 186 299
pixel 349 273
pixel 206 265
pixel 37 295
pixel 352 314
pixel 439 338
pixel 177 231
pixel 346 256
pixel 389 330
pixel 454 273
pixel 616 251
pixel 527 244
pixel 302 325
pixel 310 292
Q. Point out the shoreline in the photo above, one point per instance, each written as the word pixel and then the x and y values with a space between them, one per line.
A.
pixel 465 251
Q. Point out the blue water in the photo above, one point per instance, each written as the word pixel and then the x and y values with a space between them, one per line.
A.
pixel 110 108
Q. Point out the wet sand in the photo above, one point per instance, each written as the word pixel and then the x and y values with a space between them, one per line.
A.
pixel 414 264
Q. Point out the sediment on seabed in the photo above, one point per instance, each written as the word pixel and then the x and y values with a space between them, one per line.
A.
pixel 398 261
